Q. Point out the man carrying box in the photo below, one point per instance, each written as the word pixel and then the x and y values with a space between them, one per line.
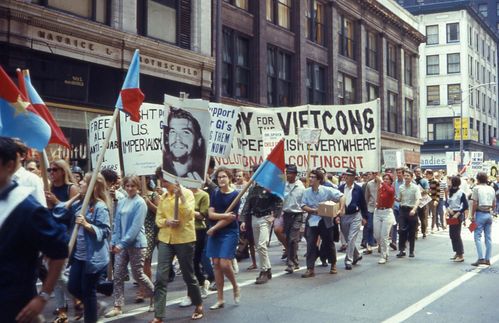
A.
pixel 318 225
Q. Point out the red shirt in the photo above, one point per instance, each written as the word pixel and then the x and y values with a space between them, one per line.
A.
pixel 386 196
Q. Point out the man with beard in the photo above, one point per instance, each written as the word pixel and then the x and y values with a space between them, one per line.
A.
pixel 184 146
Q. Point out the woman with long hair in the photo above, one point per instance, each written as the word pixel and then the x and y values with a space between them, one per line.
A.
pixel 91 252
pixel 221 246
pixel 383 214
pixel 457 212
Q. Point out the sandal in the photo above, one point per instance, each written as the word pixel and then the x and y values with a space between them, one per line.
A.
pixel 197 315
pixel 251 267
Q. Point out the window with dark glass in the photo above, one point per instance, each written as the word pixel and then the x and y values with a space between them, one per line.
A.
pixel 433 95
pixel 278 77
pixel 316 89
pixel 279 12
pixel 454 94
pixel 472 97
pixel 346 36
pixel 483 10
pixel 410 118
pixel 96 10
pixel 497 9
pixel 372 50
pixel 432 35
pixel 346 89
pixel 235 66
pixel 408 69
pixel 432 65
pixel 440 129
pixel 243 4
pixel 392 112
pixel 391 60
pixel 453 63
pixel 372 92
pixel 314 27
pixel 453 32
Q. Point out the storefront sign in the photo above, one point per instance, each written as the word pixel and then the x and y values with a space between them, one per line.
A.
pixel 428 160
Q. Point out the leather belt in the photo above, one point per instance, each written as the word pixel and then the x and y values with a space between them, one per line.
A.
pixel 261 215
pixel 383 208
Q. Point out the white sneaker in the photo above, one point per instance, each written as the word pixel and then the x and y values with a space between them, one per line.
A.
pixel 186 302
pixel 235 266
pixel 204 289
pixel 382 261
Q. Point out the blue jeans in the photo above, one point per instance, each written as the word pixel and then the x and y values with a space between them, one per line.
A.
pixel 368 233
pixel 440 213
pixel 82 285
pixel 396 214
pixel 484 223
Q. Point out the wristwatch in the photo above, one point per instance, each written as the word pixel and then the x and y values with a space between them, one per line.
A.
pixel 44 295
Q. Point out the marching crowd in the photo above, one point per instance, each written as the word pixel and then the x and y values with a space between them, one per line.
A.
pixel 202 230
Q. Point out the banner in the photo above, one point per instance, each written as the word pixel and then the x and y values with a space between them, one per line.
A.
pixel 393 158
pixel 96 132
pixel 350 136
pixel 141 142
pixel 186 132
pixel 223 124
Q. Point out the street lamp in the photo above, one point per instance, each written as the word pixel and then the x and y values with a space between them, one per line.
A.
pixel 461 144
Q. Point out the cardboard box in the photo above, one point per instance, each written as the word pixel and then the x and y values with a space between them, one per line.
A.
pixel 328 208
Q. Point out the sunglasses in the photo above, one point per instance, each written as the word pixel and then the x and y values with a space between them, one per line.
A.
pixel 31 169
pixel 52 169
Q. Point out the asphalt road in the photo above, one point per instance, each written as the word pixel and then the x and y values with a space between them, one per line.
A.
pixel 427 288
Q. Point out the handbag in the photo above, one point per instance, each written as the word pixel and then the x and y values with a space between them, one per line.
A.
pixel 452 221
pixel 472 226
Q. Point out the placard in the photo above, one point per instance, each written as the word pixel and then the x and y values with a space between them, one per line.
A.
pixel 270 140
pixel 223 125
pixel 393 158
pixel 309 136
pixel 96 132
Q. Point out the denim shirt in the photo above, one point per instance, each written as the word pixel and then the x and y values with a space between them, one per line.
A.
pixel 128 230
pixel 97 245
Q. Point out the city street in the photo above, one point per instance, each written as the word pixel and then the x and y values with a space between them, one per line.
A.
pixel 427 288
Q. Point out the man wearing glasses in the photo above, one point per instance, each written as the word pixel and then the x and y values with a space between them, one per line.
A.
pixel 184 152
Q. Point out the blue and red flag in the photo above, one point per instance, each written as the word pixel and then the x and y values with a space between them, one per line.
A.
pixel 270 174
pixel 57 136
pixel 131 97
pixel 17 116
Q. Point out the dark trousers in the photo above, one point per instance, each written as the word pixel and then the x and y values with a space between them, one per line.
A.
pixel 292 224
pixel 326 235
pixel 10 308
pixel 408 225
pixel 422 214
pixel 455 238
pixel 185 255
pixel 82 286
pixel 198 255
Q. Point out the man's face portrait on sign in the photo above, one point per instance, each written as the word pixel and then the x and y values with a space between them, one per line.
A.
pixel 184 146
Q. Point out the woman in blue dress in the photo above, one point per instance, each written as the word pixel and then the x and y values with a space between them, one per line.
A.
pixel 222 242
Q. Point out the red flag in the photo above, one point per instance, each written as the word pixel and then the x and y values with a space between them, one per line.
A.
pixel 41 109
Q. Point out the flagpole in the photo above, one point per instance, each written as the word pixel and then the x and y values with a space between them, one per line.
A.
pixel 91 185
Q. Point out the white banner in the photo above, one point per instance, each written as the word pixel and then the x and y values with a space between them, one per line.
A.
pixel 223 125
pixel 350 136
pixel 96 132
pixel 270 139
pixel 185 141
pixel 141 142
pixel 393 158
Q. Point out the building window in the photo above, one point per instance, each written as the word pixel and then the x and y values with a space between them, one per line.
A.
pixel 346 89
pixel 279 12
pixel 433 95
pixel 470 38
pixel 408 69
pixel 484 133
pixel 432 35
pixel 243 4
pixel 453 63
pixel 453 32
pixel 372 50
pixel 345 38
pixel 497 26
pixel 432 65
pixel 477 99
pixel 483 10
pixel 454 94
pixel 440 129
pixel 392 112
pixel 472 97
pixel 484 104
pixel 316 89
pixel 490 106
pixel 478 130
pixel 315 21
pixel 470 66
pixel 278 77
pixel 96 10
pixel 161 19
pixel 235 67
pixel 410 118
pixel 391 60
pixel 372 92
pixel 497 9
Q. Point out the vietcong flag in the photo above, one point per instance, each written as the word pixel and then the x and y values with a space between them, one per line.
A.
pixel 41 109
pixel 17 119
pixel 131 97
pixel 270 174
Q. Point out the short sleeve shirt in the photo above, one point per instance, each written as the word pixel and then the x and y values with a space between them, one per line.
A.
pixel 484 194
pixel 409 195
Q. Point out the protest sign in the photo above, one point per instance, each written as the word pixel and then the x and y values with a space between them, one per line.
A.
pixel 141 142
pixel 393 158
pixel 476 164
pixel 96 131
pixel 350 136
pixel 270 139
pixel 223 125
pixel 186 132
pixel 309 136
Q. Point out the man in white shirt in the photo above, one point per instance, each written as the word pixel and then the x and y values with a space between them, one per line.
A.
pixel 28 179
